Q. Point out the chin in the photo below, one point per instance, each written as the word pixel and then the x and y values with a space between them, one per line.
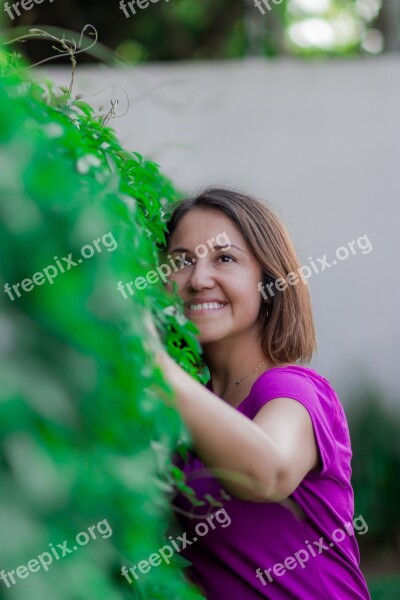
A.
pixel 210 338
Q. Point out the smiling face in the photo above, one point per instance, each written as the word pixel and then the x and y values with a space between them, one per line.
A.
pixel 218 287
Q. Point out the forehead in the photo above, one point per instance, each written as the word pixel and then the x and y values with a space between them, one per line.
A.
pixel 200 225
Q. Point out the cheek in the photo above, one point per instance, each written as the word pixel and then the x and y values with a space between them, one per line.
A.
pixel 249 297
pixel 245 302
pixel 252 306
pixel 179 278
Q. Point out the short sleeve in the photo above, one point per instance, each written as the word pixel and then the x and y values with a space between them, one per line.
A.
pixel 308 388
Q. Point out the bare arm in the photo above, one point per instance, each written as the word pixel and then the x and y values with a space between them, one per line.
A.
pixel 271 454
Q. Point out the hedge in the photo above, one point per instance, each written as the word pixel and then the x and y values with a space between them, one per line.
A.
pixel 87 424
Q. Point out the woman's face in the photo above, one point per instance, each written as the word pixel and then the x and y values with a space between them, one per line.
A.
pixel 217 276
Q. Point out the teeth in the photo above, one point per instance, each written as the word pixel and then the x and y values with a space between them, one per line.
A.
pixel 206 306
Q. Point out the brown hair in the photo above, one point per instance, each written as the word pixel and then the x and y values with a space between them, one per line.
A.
pixel 287 330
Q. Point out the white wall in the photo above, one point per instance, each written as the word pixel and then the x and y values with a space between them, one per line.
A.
pixel 320 142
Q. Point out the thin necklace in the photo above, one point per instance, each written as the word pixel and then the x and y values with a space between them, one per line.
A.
pixel 239 381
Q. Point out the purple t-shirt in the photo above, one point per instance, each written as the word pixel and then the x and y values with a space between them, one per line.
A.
pixel 302 549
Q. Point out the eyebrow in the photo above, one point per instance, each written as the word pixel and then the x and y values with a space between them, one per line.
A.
pixel 226 247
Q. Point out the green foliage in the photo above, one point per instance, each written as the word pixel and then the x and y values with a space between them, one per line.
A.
pixel 185 29
pixel 87 424
pixel 375 436
pixel 385 588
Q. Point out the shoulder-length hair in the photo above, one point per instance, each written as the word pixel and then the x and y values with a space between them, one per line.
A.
pixel 287 330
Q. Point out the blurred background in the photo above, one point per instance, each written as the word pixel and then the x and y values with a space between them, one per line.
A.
pixel 297 103
pixel 171 30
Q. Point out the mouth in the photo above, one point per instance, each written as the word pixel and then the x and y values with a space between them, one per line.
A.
pixel 206 307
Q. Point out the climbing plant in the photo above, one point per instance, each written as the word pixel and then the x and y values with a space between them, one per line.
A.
pixel 87 423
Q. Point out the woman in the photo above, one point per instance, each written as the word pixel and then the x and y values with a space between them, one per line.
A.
pixel 270 438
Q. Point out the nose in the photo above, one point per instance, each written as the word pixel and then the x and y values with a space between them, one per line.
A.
pixel 201 276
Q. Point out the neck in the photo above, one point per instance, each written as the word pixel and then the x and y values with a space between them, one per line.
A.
pixel 232 360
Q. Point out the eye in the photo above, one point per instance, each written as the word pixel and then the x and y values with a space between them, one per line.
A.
pixel 227 256
pixel 184 261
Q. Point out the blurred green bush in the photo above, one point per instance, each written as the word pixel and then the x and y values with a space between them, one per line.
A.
pixel 375 436
pixel 87 425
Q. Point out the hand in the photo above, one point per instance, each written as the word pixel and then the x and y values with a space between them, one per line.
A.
pixel 154 344
pixel 174 375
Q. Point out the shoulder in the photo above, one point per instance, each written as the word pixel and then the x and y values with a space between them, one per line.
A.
pixel 298 377
pixel 294 381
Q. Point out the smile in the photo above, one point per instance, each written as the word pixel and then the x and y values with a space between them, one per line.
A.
pixel 207 306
